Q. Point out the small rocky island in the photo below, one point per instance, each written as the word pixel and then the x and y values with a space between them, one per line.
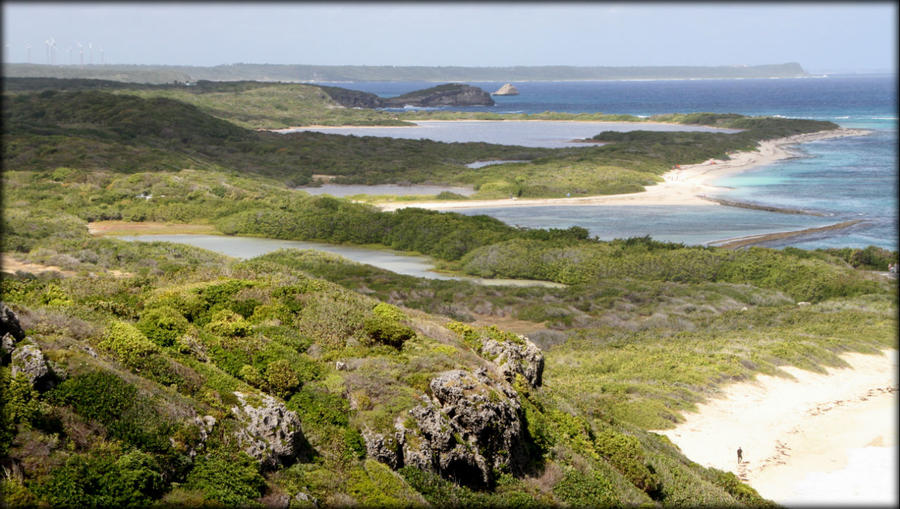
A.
pixel 507 89
pixel 451 94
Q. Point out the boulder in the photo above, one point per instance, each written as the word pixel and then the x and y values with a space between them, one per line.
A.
pixel 268 431
pixel 383 448
pixel 507 89
pixel 515 357
pixel 204 426
pixel 7 344
pixel 28 359
pixel 9 323
pixel 470 427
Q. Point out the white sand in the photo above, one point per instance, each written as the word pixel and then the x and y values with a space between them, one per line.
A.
pixel 684 186
pixel 815 440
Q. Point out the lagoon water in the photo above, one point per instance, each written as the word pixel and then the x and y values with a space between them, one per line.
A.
pixel 340 190
pixel 548 134
pixel 249 247
pixel 848 178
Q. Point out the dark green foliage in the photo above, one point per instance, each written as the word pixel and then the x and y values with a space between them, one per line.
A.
pixel 870 258
pixel 590 489
pixel 281 380
pixel 117 405
pixel 387 331
pixel 624 452
pixel 741 492
pixel 319 407
pixel 162 325
pixel 231 479
pixel 132 480
pixel 19 404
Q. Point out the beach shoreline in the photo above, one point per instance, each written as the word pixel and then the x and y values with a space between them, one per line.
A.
pixel 687 185
pixel 810 440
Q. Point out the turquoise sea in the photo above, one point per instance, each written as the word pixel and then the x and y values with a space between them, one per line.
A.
pixel 847 178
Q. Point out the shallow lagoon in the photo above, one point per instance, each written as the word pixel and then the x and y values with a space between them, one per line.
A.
pixel 544 133
pixel 686 224
pixel 341 190
pixel 250 247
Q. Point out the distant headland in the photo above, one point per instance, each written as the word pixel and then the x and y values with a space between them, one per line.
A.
pixel 348 73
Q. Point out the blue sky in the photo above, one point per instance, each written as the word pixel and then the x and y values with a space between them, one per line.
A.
pixel 826 37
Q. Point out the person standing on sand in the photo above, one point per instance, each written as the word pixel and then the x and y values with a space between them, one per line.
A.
pixel 740 455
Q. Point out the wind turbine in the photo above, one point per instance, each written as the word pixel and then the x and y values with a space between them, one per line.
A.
pixel 101 56
pixel 27 53
pixel 91 53
pixel 80 52
pixel 69 51
pixel 47 42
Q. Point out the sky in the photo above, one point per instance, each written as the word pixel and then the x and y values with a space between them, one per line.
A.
pixel 823 37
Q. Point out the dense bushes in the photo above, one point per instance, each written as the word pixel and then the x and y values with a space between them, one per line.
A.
pixel 230 479
pixel 804 278
pixel 86 480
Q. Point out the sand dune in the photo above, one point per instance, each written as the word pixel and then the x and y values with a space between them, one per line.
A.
pixel 814 440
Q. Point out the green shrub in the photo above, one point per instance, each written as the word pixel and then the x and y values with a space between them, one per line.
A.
pixel 625 453
pixel 20 405
pixel 162 325
pixel 742 493
pixel 281 380
pixel 388 312
pixel 84 480
pixel 589 489
pixel 232 479
pixel 387 331
pixel 375 485
pixel 251 375
pixel 226 322
pixel 128 344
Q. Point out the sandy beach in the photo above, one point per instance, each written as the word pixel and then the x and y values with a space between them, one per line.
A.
pixel 684 186
pixel 816 439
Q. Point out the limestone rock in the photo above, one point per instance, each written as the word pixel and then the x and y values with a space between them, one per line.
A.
pixel 7 344
pixel 204 425
pixel 507 89
pixel 469 428
pixel 523 357
pixel 385 449
pixel 9 323
pixel 28 359
pixel 269 431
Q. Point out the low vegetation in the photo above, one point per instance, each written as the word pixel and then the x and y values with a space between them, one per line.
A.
pixel 155 352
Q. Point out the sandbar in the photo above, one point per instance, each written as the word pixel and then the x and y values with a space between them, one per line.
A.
pixel 686 185
pixel 816 439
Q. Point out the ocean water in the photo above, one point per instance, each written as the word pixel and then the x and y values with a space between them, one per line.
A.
pixel 847 178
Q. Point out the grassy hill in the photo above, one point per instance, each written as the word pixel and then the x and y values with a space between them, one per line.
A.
pixel 157 374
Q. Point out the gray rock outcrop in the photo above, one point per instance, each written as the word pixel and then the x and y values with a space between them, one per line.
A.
pixel 507 89
pixel 470 427
pixel 268 431
pixel 28 359
pixel 522 357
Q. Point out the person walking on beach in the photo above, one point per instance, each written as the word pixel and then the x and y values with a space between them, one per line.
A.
pixel 740 455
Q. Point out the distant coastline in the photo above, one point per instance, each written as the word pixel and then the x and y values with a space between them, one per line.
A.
pixel 354 73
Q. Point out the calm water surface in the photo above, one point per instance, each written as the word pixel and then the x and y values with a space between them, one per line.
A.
pixel 250 247
pixel 849 178
pixel 548 134
pixel 340 190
